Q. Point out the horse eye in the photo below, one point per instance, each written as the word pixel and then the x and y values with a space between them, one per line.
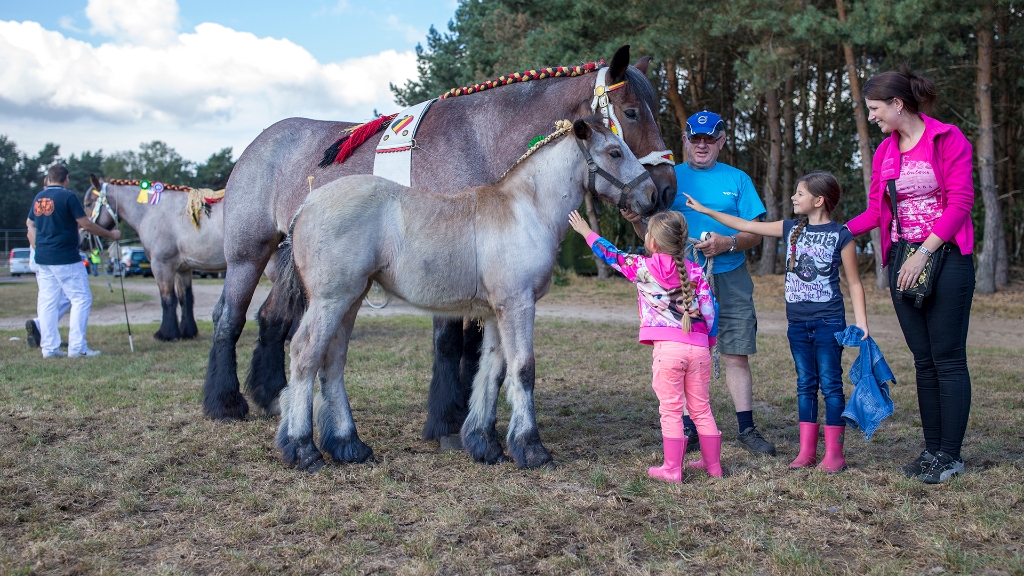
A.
pixel 631 113
pixel 615 154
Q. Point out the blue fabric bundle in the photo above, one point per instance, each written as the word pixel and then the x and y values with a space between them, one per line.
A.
pixel 870 402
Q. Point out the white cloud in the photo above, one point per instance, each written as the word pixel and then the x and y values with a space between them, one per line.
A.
pixel 150 22
pixel 194 86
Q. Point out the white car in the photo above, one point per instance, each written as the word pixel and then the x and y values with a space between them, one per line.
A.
pixel 20 258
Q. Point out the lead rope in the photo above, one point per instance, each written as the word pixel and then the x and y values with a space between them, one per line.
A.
pixel 102 203
pixel 709 274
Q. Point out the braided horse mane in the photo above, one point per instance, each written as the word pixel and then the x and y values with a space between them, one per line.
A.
pixel 355 136
pixel 199 199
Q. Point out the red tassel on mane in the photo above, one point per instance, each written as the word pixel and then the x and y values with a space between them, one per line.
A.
pixel 361 134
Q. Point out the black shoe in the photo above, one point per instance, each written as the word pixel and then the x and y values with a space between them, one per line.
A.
pixel 919 465
pixel 752 440
pixel 942 469
pixel 34 336
pixel 692 440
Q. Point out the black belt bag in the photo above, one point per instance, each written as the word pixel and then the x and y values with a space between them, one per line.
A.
pixel 902 251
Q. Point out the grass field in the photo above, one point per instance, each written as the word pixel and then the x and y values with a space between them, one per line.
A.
pixel 108 467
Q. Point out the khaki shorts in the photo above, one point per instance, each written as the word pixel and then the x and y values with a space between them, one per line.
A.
pixel 737 320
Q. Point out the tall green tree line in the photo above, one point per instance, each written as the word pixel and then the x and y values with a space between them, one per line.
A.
pixel 786 76
pixel 21 175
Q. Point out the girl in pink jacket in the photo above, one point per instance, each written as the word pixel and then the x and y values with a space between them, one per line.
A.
pixel 678 317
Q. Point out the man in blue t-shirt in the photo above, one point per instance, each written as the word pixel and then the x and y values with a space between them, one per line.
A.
pixel 53 223
pixel 728 190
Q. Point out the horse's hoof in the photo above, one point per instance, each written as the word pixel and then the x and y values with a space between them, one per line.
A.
pixel 302 455
pixel 226 406
pixel 352 451
pixel 530 455
pixel 160 337
pixel 484 447
pixel 451 442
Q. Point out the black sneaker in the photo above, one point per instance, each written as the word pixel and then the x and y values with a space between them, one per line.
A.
pixel 34 336
pixel 942 469
pixel 919 465
pixel 692 440
pixel 752 440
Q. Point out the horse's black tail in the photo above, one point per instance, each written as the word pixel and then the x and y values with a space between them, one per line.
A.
pixel 280 313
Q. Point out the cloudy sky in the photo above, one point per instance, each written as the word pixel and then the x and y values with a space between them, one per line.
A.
pixel 198 74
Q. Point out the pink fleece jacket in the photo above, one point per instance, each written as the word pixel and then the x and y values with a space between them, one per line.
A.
pixel 658 287
pixel 952 157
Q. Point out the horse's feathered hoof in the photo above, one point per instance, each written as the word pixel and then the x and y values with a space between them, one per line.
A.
pixel 484 447
pixel 533 455
pixel 302 455
pixel 229 405
pixel 159 336
pixel 353 451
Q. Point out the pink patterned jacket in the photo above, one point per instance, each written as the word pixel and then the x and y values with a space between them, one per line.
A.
pixel 660 299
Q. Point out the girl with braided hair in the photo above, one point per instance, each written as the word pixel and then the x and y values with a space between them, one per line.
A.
pixel 816 249
pixel 678 317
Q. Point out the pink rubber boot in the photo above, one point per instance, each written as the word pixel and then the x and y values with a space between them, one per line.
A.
pixel 672 469
pixel 710 455
pixel 808 446
pixel 833 461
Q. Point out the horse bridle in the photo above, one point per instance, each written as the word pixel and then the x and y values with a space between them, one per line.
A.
pixel 594 170
pixel 101 201
pixel 602 103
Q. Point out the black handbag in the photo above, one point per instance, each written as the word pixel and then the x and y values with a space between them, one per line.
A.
pixel 903 250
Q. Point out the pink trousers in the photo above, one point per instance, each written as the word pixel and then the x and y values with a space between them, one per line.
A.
pixel 682 376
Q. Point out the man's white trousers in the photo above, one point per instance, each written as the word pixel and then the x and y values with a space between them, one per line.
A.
pixel 55 283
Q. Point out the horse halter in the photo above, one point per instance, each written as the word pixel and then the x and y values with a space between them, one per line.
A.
pixel 607 109
pixel 594 170
pixel 101 201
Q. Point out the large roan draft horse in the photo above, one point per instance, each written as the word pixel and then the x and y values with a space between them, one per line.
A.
pixel 174 244
pixel 486 253
pixel 463 141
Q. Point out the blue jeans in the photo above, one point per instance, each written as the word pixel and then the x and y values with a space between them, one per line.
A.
pixel 819 363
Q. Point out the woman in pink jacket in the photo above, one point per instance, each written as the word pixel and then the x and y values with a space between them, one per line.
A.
pixel 931 164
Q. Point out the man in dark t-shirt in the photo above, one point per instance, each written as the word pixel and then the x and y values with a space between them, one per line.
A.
pixel 53 223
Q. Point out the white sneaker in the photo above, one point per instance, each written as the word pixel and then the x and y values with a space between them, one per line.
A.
pixel 87 353
pixel 55 354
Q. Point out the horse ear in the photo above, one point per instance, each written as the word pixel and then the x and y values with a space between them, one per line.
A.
pixel 581 129
pixel 95 181
pixel 619 64
pixel 642 63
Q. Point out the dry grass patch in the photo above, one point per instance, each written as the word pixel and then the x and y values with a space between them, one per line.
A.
pixel 108 466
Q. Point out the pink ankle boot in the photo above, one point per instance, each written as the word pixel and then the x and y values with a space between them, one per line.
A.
pixel 672 469
pixel 808 446
pixel 710 455
pixel 833 461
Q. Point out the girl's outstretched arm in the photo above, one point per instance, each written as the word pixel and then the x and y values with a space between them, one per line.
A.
pixel 773 229
pixel 860 315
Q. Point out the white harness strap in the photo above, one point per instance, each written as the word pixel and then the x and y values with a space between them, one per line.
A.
pixel 101 201
pixel 601 102
pixel 393 159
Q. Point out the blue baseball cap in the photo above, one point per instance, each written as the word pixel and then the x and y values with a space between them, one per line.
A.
pixel 705 122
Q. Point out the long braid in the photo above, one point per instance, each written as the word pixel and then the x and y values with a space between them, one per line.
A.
pixel 687 286
pixel 670 232
pixel 798 228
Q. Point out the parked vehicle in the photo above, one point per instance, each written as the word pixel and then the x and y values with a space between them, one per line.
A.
pixel 19 261
pixel 135 262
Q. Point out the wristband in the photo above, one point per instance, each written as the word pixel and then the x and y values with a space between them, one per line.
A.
pixel 928 253
pixel 733 247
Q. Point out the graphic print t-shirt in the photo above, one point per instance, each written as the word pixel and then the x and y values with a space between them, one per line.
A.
pixel 812 287
pixel 54 212
pixel 919 204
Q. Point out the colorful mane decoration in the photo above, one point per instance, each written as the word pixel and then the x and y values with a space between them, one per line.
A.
pixel 351 139
pixel 538 74
pixel 200 201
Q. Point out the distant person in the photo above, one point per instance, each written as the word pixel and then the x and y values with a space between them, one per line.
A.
pixel 730 191
pixel 94 261
pixel 929 165
pixel 677 318
pixel 33 335
pixel 817 248
pixel 53 223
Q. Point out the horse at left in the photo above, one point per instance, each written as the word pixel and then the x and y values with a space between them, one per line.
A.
pixel 177 241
